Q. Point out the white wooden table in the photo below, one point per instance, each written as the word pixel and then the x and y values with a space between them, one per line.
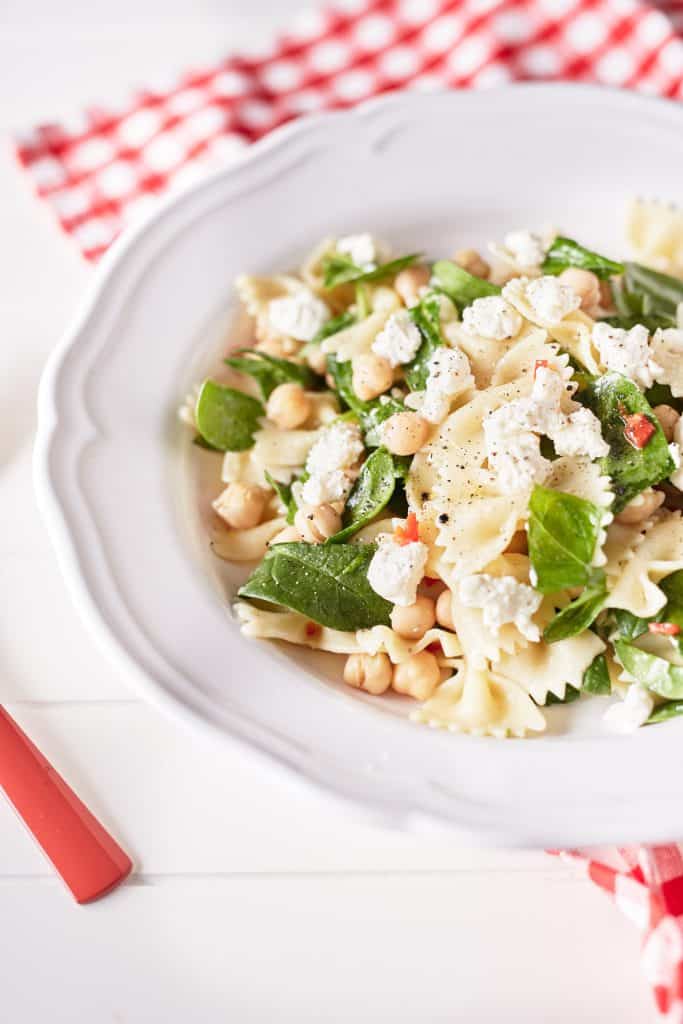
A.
pixel 252 901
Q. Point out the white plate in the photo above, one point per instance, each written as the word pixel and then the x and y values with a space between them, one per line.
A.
pixel 114 469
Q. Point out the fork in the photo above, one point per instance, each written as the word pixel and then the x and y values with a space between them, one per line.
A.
pixel 87 858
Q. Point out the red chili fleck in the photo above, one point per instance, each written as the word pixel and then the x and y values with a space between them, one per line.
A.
pixel 538 364
pixel 637 428
pixel 410 533
pixel 434 647
pixel 311 629
pixel 430 581
pixel 665 628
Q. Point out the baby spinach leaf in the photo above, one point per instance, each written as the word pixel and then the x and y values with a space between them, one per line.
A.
pixel 596 678
pixel 333 326
pixel 652 293
pixel 226 418
pixel 660 394
pixel 371 493
pixel 578 615
pixel 270 371
pixel 628 626
pixel 284 493
pixel 326 582
pixel 339 269
pixel 658 674
pixel 570 695
pixel 565 252
pixel 426 317
pixel 201 443
pixel 671 709
pixel 458 285
pixel 631 469
pixel 370 414
pixel 563 531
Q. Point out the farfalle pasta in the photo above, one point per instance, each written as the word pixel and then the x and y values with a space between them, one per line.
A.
pixel 468 487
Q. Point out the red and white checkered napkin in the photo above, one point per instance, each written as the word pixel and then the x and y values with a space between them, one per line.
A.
pixel 101 171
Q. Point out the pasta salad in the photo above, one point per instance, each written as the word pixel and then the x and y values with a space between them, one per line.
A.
pixel 464 476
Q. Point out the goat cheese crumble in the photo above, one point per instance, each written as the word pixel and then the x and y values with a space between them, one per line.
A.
pixel 492 317
pixel 551 300
pixel 580 435
pixel 337 449
pixel 362 249
pixel 299 315
pixel 399 339
pixel 503 599
pixel 396 570
pixel 626 352
pixel 630 713
pixel 449 375
pixel 525 247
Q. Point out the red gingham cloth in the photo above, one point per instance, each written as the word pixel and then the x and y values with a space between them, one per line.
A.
pixel 101 171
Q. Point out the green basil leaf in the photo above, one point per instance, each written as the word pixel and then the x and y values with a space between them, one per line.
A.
pixel 578 615
pixel 371 493
pixel 226 418
pixel 652 293
pixel 339 269
pixel 333 326
pixel 458 285
pixel 631 469
pixel 426 317
pixel 270 371
pixel 658 674
pixel 326 582
pixel 565 252
pixel 596 678
pixel 570 695
pixel 671 709
pixel 370 414
pixel 563 531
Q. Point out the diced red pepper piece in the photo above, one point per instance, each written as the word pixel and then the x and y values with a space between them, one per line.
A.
pixel 538 364
pixel 311 628
pixel 638 429
pixel 434 647
pixel 409 533
pixel 664 628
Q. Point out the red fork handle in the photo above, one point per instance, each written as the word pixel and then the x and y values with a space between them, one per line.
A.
pixel 82 851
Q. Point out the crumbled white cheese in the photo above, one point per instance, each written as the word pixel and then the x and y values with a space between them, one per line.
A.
pixel 545 415
pixel 449 375
pixel 399 339
pixel 492 317
pixel 526 248
pixel 336 450
pixel 625 352
pixel 580 434
pixel 397 569
pixel 633 711
pixel 666 347
pixel 518 463
pixel 299 315
pixel 675 450
pixel 362 249
pixel 551 300
pixel 503 599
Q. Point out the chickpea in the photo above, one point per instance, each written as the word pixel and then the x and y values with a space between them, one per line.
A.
pixel 606 296
pixel 288 406
pixel 413 621
pixel 405 433
pixel 286 536
pixel 641 508
pixel 317 524
pixel 471 261
pixel 668 418
pixel 317 360
pixel 372 376
pixel 519 544
pixel 444 610
pixel 586 285
pixel 417 676
pixel 241 505
pixel 409 282
pixel 369 672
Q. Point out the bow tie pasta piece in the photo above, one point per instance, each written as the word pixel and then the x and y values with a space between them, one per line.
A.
pixel 357 339
pixel 578 475
pixel 654 230
pixel 483 703
pixel 573 331
pixel 476 530
pixel 548 668
pixel 245 545
pixel 383 639
pixel 667 354
pixel 520 360
pixel 657 553
pixel 294 628
pixel 484 354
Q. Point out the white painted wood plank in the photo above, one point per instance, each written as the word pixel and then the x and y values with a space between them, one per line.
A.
pixel 180 805
pixel 476 950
